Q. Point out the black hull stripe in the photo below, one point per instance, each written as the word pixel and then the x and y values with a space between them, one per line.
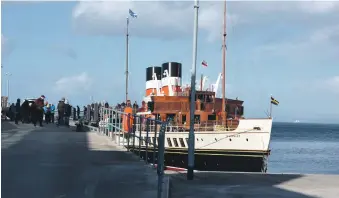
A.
pixel 207 152
pixel 239 163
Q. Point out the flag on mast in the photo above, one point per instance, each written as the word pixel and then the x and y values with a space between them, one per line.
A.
pixel 204 63
pixel 133 14
pixel 274 101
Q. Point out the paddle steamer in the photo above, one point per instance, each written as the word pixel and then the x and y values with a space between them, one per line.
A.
pixel 224 139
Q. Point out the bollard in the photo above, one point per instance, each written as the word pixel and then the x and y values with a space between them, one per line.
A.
pixel 154 141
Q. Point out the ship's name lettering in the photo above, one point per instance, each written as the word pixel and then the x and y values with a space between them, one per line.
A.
pixel 233 136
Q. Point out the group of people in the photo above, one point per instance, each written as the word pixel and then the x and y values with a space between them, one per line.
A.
pixel 34 111
pixel 28 111
pixel 123 105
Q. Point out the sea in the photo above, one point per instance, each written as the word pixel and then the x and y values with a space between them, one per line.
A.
pixel 304 148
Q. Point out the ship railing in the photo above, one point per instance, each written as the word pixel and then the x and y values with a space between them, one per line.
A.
pixel 207 126
pixel 128 130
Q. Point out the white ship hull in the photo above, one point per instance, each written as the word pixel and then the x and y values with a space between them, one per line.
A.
pixel 243 149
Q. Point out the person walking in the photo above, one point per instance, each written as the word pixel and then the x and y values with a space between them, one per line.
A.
pixel 24 111
pixel 39 109
pixel 47 111
pixel 52 113
pixel 61 111
pixel 17 111
pixel 68 109
pixel 78 112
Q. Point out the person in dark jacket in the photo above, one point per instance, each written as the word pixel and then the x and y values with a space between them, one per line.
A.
pixel 17 111
pixel 11 112
pixel 61 111
pixel 85 112
pixel 40 103
pixel 78 112
pixel 33 113
pixel 68 110
pixel 25 112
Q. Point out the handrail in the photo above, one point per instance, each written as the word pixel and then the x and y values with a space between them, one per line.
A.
pixel 111 122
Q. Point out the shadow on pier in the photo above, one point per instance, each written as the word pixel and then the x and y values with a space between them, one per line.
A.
pixel 254 185
pixel 60 163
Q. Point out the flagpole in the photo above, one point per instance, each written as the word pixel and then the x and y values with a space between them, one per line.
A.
pixel 271 107
pixel 191 137
pixel 127 38
pixel 224 101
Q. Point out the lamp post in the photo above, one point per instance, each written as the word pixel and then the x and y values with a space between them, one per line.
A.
pixel 191 137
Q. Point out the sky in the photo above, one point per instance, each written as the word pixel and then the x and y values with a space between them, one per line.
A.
pixel 77 50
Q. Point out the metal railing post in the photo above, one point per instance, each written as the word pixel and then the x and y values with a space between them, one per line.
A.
pixel 140 138
pixel 119 129
pixel 146 140
pixel 134 128
pixel 155 141
pixel 114 128
pixel 161 152
pixel 128 128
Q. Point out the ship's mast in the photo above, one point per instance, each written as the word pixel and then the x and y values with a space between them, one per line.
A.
pixel 126 72
pixel 224 64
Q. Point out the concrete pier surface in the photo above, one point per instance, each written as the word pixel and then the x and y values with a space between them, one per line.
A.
pixel 52 162
pixel 253 185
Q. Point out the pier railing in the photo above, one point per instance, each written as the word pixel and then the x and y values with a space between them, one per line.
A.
pixel 129 131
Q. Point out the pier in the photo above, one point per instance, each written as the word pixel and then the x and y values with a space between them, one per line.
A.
pixel 57 162
pixel 101 161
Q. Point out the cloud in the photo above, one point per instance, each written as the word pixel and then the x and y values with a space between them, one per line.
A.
pixel 65 50
pixel 332 84
pixel 7 46
pixel 74 85
pixel 160 19
pixel 168 20
pixel 322 42
pixel 327 34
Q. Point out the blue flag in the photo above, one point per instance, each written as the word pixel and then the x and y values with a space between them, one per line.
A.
pixel 134 15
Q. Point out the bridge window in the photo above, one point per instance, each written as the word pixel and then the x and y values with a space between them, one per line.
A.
pixel 197 119
pixel 183 119
pixel 175 142
pixel 212 117
pixel 186 141
pixel 169 142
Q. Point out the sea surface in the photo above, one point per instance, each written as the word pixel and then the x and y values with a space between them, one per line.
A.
pixel 304 148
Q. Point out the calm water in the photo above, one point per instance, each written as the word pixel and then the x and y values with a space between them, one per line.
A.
pixel 304 148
